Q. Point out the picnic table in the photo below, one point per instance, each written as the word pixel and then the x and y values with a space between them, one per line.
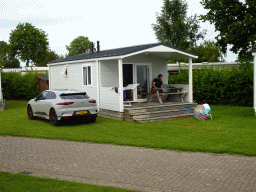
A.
pixel 171 91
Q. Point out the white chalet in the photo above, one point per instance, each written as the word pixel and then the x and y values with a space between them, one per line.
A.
pixel 102 73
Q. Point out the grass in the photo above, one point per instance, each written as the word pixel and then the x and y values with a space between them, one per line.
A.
pixel 232 130
pixel 17 182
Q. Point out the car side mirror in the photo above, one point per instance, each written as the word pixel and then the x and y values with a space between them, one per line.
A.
pixel 35 99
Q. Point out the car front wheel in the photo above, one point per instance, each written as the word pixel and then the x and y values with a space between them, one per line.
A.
pixel 30 112
pixel 53 118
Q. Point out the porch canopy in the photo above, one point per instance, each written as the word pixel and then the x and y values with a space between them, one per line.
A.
pixel 165 52
pixel 133 54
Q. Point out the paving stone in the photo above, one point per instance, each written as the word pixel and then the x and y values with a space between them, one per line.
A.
pixel 134 168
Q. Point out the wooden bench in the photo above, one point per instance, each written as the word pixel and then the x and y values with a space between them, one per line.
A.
pixel 171 91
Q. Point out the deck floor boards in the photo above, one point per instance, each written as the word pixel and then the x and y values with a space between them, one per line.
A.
pixel 152 111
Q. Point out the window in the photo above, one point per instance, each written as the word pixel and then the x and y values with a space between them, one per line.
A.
pixel 51 95
pixel 42 96
pixel 74 96
pixel 87 75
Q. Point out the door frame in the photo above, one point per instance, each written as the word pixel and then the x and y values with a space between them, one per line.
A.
pixel 135 80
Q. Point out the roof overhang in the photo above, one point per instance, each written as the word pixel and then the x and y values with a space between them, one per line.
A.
pixel 158 51
pixel 165 53
pixel 85 60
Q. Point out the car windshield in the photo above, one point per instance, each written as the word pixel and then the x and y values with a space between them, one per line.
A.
pixel 74 96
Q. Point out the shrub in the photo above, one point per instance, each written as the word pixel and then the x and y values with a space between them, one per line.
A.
pixel 220 86
pixel 20 87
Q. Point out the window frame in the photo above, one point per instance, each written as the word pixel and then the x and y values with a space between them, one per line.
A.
pixel 87 78
pixel 65 70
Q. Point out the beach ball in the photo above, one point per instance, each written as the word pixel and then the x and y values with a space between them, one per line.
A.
pixel 199 113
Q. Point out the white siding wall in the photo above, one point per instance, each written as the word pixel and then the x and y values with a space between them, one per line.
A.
pixel 109 99
pixel 74 79
pixel 109 73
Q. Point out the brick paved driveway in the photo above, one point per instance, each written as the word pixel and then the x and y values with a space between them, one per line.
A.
pixel 132 168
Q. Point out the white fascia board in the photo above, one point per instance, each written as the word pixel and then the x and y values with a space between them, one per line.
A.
pixel 85 60
pixel 161 48
pixel 205 64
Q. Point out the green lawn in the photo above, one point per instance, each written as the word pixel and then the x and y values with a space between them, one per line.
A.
pixel 232 130
pixel 17 182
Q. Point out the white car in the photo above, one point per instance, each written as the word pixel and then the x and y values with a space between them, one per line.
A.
pixel 58 104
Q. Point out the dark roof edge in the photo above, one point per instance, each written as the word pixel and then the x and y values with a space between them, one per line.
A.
pixel 147 46
pixel 42 77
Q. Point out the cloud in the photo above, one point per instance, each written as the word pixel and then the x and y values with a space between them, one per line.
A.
pixel 39 13
pixel 38 20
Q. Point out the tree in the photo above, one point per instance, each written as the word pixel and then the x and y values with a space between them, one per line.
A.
pixel 207 51
pixel 236 22
pixel 29 43
pixel 6 58
pixel 50 56
pixel 12 63
pixel 4 50
pixel 79 45
pixel 174 28
pixel 2 60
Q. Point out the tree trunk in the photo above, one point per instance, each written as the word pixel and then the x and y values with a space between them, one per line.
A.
pixel 27 63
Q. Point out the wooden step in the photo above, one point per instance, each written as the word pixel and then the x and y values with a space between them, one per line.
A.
pixel 160 106
pixel 162 114
pixel 156 111
pixel 159 109
pixel 172 117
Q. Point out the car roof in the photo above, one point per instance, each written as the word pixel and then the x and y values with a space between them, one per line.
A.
pixel 60 91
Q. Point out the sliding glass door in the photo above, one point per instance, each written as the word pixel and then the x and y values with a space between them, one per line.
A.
pixel 142 74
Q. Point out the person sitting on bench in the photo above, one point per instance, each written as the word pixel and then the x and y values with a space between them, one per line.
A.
pixel 157 83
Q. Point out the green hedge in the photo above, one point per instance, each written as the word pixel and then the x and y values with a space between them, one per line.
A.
pixel 20 87
pixel 220 86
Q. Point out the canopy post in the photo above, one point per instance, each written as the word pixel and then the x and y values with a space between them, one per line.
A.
pixel 190 71
pixel 98 83
pixel 120 89
pixel 254 82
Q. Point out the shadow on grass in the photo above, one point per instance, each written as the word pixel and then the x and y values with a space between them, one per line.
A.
pixel 70 122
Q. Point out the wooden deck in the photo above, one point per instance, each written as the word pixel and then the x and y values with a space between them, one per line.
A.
pixel 152 111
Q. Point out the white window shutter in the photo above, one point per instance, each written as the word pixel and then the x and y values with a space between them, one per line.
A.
pixel 64 71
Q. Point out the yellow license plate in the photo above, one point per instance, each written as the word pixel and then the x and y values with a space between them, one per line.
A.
pixel 81 112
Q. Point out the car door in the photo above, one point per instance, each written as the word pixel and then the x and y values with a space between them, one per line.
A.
pixel 46 104
pixel 38 105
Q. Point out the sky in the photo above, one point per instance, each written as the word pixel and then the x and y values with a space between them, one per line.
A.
pixel 115 23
